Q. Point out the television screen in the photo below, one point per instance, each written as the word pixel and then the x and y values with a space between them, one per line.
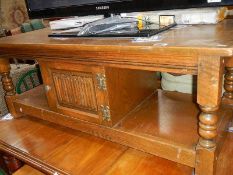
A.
pixel 52 4
pixel 60 8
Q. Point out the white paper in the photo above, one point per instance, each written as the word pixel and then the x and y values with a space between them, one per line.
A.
pixel 212 1
pixel 7 117
pixel 184 16
pixel 73 22
pixel 154 38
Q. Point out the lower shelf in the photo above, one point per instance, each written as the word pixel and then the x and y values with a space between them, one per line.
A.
pixel 165 125
pixel 54 149
pixel 27 170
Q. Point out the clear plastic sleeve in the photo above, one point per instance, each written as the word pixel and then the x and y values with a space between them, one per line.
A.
pixel 111 25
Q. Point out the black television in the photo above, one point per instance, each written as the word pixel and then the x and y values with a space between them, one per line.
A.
pixel 61 8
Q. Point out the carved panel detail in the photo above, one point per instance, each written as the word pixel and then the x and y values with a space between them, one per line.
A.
pixel 75 90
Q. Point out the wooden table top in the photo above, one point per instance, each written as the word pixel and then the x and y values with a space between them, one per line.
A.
pixel 211 38
pixel 191 36
pixel 177 51
pixel 53 149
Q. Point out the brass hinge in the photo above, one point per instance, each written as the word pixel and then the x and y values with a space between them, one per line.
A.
pixel 101 81
pixel 105 112
pixel 47 88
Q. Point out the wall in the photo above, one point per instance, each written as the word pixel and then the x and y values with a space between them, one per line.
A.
pixel 14 13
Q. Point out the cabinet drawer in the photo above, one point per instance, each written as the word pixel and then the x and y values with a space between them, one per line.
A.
pixel 72 89
pixel 75 90
pixel 102 95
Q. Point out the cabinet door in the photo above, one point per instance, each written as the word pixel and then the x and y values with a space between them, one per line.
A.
pixel 72 89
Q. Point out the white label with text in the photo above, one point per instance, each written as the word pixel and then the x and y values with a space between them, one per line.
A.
pixel 212 1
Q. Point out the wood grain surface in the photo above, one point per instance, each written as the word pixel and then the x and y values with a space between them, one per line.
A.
pixel 141 160
pixel 179 55
pixel 153 127
pixel 27 170
pixel 73 152
pixel 164 125
pixel 74 90
pixel 157 126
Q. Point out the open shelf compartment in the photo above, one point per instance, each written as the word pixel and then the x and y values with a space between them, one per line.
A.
pixel 157 126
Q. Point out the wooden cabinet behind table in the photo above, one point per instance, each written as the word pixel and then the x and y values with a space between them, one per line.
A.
pixel 94 93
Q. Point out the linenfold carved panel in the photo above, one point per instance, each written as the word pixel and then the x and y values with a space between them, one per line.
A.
pixel 75 90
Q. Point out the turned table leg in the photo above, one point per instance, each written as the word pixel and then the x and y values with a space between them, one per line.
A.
pixel 208 120
pixel 210 71
pixel 2 163
pixel 228 83
pixel 12 163
pixel 8 85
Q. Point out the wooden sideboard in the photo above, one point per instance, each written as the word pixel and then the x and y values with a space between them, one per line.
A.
pixel 107 87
